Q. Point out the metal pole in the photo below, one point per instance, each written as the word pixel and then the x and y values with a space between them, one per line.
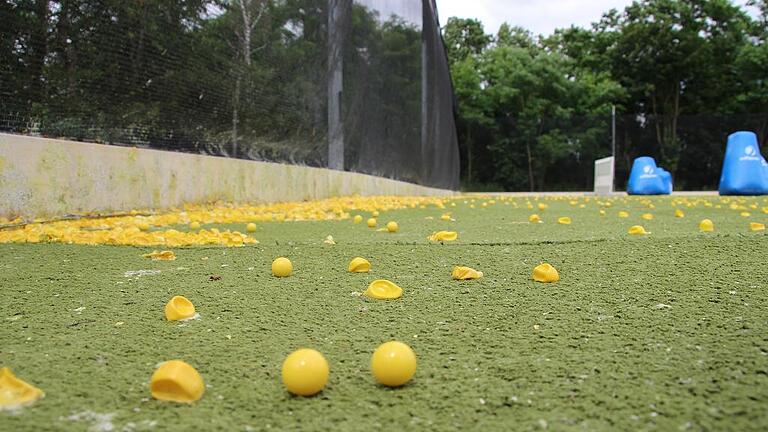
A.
pixel 613 147
pixel 424 88
pixel 335 85
pixel 613 130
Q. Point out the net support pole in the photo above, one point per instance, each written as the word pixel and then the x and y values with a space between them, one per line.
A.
pixel 613 147
pixel 424 80
pixel 335 85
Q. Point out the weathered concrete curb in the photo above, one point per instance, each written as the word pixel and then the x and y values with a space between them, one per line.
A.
pixel 41 177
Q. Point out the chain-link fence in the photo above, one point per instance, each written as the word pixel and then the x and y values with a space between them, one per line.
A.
pixel 358 85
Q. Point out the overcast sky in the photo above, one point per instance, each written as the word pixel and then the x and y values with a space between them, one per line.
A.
pixel 539 16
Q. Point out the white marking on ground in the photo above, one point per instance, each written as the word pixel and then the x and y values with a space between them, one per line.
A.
pixel 140 273
pixel 99 422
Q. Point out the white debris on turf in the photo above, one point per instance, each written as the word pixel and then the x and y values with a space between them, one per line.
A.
pixel 140 426
pixel 99 422
pixel 195 317
pixel 140 273
pixel 184 321
pixel 103 422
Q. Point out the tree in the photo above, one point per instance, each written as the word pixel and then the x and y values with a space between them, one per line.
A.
pixel 248 14
pixel 675 57
pixel 464 38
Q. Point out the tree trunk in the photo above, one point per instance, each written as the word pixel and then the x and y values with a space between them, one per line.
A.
pixel 469 154
pixel 245 36
pixel 39 49
pixel 658 126
pixel 673 141
pixel 235 107
pixel 530 165
pixel 64 31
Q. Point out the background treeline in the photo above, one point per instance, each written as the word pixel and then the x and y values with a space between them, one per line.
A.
pixel 534 112
pixel 237 78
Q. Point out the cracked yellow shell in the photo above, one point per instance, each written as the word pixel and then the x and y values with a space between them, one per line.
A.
pixel 383 289
pixel 637 230
pixel 756 226
pixel 565 220
pixel 443 236
pixel 179 308
pixel 464 273
pixel 545 273
pixel 534 218
pixel 161 256
pixel 15 393
pixel 359 265
pixel 176 381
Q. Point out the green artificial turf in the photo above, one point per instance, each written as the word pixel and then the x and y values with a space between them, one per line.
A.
pixel 663 332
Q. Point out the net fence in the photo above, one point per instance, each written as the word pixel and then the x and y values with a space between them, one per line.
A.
pixel 558 154
pixel 357 85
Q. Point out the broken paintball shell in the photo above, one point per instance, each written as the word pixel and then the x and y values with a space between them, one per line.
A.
pixel 637 230
pixel 176 381
pixel 179 308
pixel 443 236
pixel 359 265
pixel 465 273
pixel 15 393
pixel 545 273
pixel 383 289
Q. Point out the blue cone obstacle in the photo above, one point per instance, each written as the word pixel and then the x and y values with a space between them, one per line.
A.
pixel 666 177
pixel 644 179
pixel 745 171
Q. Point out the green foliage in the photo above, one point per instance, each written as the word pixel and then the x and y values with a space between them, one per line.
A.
pixel 464 38
pixel 540 107
pixel 522 104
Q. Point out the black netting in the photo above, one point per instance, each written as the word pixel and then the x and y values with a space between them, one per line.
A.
pixel 691 147
pixel 558 154
pixel 356 85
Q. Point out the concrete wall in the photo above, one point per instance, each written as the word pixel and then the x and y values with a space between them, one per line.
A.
pixel 42 177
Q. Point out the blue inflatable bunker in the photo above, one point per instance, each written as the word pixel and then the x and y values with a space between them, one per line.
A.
pixel 666 177
pixel 745 171
pixel 645 178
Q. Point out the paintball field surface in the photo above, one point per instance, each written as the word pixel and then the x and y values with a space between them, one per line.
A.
pixel 666 331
